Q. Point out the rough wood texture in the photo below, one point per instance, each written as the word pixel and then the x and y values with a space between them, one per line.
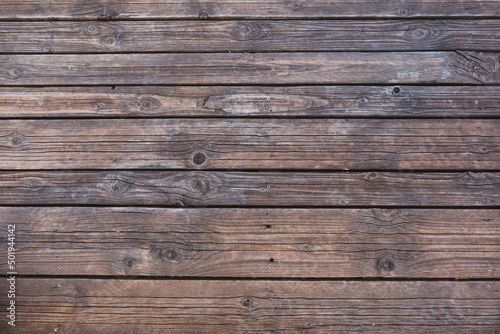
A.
pixel 252 36
pixel 248 101
pixel 352 144
pixel 253 68
pixel 326 243
pixel 173 306
pixel 119 9
pixel 250 189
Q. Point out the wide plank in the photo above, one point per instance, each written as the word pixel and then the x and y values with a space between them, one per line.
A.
pixel 250 188
pixel 453 144
pixel 237 306
pixel 250 36
pixel 160 9
pixel 463 67
pixel 249 101
pixel 417 243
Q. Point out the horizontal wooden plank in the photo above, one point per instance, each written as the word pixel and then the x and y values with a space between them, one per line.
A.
pixel 252 36
pixel 118 9
pixel 250 188
pixel 452 144
pixel 253 68
pixel 253 101
pixel 208 306
pixel 415 243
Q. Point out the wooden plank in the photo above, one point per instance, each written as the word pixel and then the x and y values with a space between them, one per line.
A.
pixel 253 101
pixel 253 68
pixel 326 243
pixel 251 36
pixel 250 188
pixel 452 144
pixel 208 306
pixel 158 9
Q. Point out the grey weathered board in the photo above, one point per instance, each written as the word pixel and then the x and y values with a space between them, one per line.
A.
pixel 306 243
pixel 250 101
pixel 68 305
pixel 269 189
pixel 251 36
pixel 286 166
pixel 284 9
pixel 441 67
pixel 346 144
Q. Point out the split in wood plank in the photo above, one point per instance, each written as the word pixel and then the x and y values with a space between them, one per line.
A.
pixel 417 243
pixel 463 67
pixel 250 101
pixel 250 189
pixel 250 36
pixel 227 306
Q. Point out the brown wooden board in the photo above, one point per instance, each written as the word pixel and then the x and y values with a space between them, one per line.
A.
pixel 417 243
pixel 461 67
pixel 229 306
pixel 156 9
pixel 252 36
pixel 250 188
pixel 453 144
pixel 250 101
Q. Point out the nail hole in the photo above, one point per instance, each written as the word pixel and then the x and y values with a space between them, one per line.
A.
pixel 267 268
pixel 271 260
pixel 268 226
pixel 59 267
pixel 489 271
pixel 396 91
pixel 59 285
pixel 113 87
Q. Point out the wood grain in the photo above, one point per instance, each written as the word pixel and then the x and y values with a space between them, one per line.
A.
pixel 452 144
pixel 180 306
pixel 463 67
pixel 417 243
pixel 250 36
pixel 250 101
pixel 152 9
pixel 250 188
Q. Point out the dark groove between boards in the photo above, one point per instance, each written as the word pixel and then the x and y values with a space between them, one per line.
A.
pixel 226 278
pixel 248 171
pixel 402 207
pixel 246 18
pixel 124 117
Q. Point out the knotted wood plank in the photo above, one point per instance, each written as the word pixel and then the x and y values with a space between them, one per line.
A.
pixel 250 188
pixel 463 67
pixel 208 306
pixel 250 36
pixel 417 243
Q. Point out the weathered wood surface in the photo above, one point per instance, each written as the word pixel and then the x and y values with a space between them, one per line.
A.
pixel 227 306
pixel 412 243
pixel 250 101
pixel 462 67
pixel 352 144
pixel 251 36
pixel 250 188
pixel 174 9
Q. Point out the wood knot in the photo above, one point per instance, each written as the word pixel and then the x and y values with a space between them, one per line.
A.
pixel 90 30
pixel 15 72
pixel 419 33
pixel 396 91
pixel 385 215
pixel 128 262
pixel 247 302
pixel 203 16
pixel 114 184
pixel 17 140
pixel 246 31
pixel 201 185
pixel 109 41
pixel 372 176
pixel 386 264
pixel 199 158
pixel 148 104
pixel 170 254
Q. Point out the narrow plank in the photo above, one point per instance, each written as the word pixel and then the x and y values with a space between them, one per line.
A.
pixel 249 101
pixel 208 306
pixel 119 9
pixel 416 243
pixel 464 67
pixel 299 144
pixel 250 189
pixel 252 36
